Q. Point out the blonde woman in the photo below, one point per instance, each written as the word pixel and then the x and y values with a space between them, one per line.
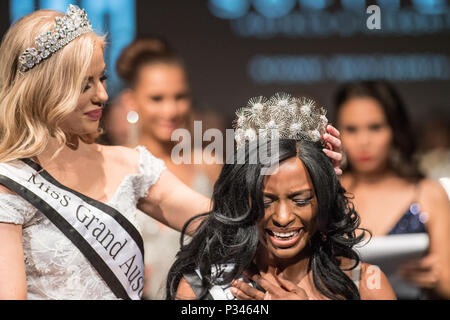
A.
pixel 67 205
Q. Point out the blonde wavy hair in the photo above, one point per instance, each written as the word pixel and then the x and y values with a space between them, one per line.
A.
pixel 33 104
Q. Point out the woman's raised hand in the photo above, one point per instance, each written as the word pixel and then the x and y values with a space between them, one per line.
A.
pixel 334 147
pixel 276 288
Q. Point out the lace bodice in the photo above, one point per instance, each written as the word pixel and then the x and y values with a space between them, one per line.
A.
pixel 55 268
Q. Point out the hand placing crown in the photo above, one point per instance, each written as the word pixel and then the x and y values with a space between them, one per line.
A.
pixel 282 116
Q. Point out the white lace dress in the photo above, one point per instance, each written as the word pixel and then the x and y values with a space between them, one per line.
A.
pixel 55 268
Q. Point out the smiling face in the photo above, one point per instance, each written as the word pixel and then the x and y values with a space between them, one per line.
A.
pixel 162 99
pixel 290 209
pixel 365 133
pixel 85 118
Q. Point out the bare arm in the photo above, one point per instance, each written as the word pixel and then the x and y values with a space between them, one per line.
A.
pixel 374 285
pixel 433 271
pixel 171 202
pixel 438 205
pixel 12 267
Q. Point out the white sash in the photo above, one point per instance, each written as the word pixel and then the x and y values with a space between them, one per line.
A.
pixel 107 239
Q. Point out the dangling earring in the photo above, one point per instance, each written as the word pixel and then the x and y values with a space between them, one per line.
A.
pixel 133 127
pixel 323 236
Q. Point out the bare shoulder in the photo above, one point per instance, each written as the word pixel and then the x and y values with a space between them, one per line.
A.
pixel 434 200
pixel 122 156
pixel 184 291
pixel 120 152
pixel 210 165
pixel 212 170
pixel 374 285
pixel 432 191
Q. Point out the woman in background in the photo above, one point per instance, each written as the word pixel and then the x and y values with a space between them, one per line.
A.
pixel 158 91
pixel 390 194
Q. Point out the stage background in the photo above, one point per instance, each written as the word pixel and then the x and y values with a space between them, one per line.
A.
pixel 236 49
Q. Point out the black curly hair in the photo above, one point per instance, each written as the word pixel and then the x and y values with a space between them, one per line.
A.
pixel 229 234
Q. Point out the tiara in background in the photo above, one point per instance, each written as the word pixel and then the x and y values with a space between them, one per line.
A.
pixel 72 25
pixel 282 116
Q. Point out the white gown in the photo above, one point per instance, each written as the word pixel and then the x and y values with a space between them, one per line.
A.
pixel 55 268
pixel 162 243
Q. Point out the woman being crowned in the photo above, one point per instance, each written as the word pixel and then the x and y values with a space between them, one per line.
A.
pixel 283 233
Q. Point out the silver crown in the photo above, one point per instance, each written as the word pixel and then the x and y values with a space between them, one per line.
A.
pixel 282 116
pixel 72 25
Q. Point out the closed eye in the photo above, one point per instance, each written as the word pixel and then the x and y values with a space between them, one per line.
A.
pixel 269 199
pixel 302 200
pixel 302 203
pixel 267 203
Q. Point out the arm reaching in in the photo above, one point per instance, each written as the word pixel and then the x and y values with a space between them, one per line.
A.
pixel 173 203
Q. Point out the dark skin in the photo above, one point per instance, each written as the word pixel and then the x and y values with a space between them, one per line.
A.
pixel 282 264
pixel 277 287
pixel 290 205
pixel 333 150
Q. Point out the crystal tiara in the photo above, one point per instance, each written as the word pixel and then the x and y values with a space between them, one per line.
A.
pixel 282 116
pixel 72 25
